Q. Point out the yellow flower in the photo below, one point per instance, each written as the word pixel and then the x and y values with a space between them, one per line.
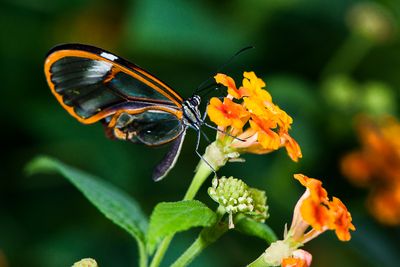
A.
pixel 249 114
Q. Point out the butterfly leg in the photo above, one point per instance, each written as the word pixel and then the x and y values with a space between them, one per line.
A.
pixel 201 157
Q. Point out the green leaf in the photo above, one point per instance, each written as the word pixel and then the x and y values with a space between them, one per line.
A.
pixel 172 217
pixel 251 227
pixel 115 204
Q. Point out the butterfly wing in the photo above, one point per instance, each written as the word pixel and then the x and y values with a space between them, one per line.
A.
pixel 92 84
pixel 169 160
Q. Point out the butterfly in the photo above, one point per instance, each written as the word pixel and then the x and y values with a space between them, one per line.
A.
pixel 94 85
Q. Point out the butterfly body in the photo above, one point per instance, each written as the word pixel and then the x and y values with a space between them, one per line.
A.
pixel 95 85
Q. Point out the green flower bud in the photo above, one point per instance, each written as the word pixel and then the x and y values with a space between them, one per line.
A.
pixel 217 154
pixel 237 197
pixel 260 212
pixel 88 262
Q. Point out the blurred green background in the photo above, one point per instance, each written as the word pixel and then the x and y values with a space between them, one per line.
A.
pixel 323 61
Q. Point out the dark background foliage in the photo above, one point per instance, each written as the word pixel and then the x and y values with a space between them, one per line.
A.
pixel 300 44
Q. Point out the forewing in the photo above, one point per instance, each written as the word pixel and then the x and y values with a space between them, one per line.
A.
pixel 90 83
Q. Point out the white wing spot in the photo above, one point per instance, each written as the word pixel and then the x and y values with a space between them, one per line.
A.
pixel 108 56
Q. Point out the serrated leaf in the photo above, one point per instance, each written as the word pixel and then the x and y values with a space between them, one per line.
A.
pixel 251 227
pixel 115 204
pixel 172 217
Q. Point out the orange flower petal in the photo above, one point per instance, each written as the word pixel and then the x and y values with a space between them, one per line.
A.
pixel 317 192
pixel 231 85
pixel 269 140
pixel 315 214
pixel 314 209
pixel 225 80
pixel 266 137
pixel 216 113
pixel 253 79
pixel 342 219
pixel 293 262
pixel 292 147
pixel 227 113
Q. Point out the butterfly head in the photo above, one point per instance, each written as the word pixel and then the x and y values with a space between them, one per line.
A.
pixel 191 112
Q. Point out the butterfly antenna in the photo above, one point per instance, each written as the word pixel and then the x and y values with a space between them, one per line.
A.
pixel 199 88
pixel 215 87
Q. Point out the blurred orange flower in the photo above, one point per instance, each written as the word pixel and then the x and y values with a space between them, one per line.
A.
pixel 248 113
pixel 376 165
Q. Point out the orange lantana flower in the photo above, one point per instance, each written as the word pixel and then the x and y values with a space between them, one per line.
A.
pixel 377 165
pixel 313 214
pixel 315 210
pixel 249 114
pixel 228 113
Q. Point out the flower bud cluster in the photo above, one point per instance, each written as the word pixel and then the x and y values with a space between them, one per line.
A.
pixel 237 197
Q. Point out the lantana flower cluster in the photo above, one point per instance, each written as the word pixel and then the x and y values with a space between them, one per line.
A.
pixel 379 173
pixel 249 121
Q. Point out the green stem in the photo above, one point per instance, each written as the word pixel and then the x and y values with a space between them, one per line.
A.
pixel 202 172
pixel 142 255
pixel 206 237
pixel 259 262
pixel 348 56
pixel 162 248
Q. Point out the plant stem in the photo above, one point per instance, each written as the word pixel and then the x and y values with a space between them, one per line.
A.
pixel 202 172
pixel 206 237
pixel 142 255
pixel 162 248
pixel 259 262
